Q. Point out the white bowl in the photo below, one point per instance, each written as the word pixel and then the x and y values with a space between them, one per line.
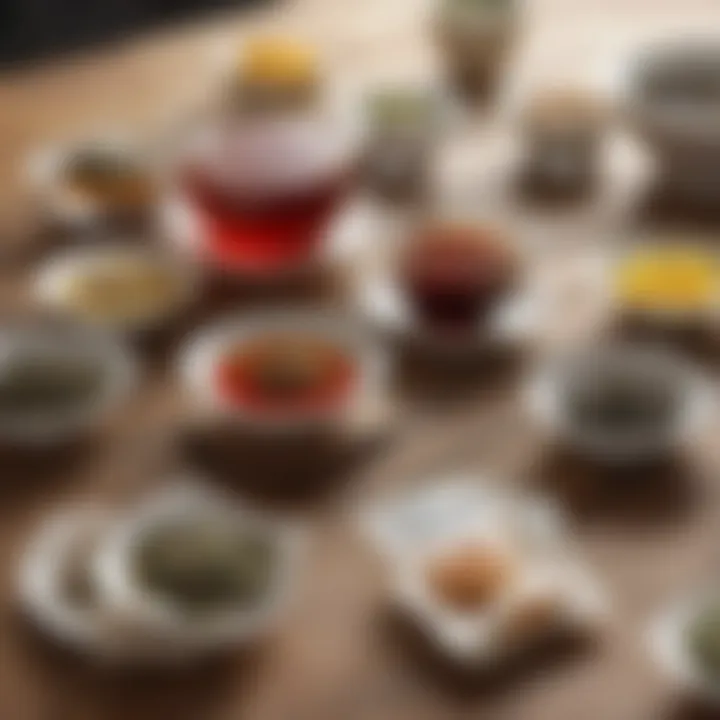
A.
pixel 198 364
pixel 55 275
pixel 545 398
pixel 667 642
pixel 41 576
pixel 70 341
pixel 162 631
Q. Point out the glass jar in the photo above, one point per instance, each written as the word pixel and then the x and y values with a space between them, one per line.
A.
pixel 475 38
pixel 402 135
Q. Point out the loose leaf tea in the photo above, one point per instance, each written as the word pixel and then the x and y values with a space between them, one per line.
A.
pixel 111 176
pixel 620 400
pixel 398 108
pixel 704 639
pixel 37 386
pixel 205 565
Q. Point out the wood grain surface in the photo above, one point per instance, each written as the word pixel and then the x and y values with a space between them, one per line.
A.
pixel 337 657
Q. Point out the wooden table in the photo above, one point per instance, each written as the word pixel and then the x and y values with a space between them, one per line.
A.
pixel 335 658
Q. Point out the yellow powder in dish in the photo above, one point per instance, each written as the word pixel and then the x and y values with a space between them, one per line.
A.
pixel 669 279
pixel 124 289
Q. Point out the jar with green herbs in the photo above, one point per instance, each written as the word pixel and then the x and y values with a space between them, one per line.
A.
pixel 403 127
pixel 206 565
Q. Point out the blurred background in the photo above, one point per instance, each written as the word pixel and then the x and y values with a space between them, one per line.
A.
pixel 40 29
pixel 71 68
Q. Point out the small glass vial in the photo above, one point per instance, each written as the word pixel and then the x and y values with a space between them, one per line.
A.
pixel 402 137
pixel 476 38
pixel 563 136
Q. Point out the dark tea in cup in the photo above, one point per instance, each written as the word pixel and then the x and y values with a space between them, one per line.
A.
pixel 455 275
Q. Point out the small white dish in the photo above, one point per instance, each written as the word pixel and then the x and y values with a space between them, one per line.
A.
pixel 415 521
pixel 668 643
pixel 115 363
pixel 198 365
pixel 45 175
pixel 43 574
pixel 600 272
pixel 55 277
pixel 160 631
pixel 547 397
pixel 489 636
pixel 410 532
